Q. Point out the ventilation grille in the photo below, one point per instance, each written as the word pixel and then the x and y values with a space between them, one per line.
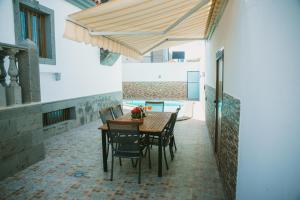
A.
pixel 57 116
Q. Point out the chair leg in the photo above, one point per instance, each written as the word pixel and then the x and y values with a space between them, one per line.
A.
pixel 174 143
pixel 112 168
pixel 151 141
pixel 166 158
pixel 120 161
pixel 171 152
pixel 149 157
pixel 107 150
pixel 132 162
pixel 140 161
pixel 145 154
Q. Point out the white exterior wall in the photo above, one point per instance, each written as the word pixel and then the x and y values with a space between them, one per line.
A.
pixel 7 30
pixel 79 64
pixel 139 72
pixel 262 67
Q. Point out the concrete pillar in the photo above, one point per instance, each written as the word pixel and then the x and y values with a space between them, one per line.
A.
pixel 13 91
pixel 29 72
pixel 2 79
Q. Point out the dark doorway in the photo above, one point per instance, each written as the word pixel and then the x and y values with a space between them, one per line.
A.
pixel 219 96
pixel 193 85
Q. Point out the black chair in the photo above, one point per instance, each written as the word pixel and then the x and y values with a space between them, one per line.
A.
pixel 127 142
pixel 156 106
pixel 166 138
pixel 105 115
pixel 172 134
pixel 117 111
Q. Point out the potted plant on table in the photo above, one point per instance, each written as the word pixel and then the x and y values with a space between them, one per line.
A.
pixel 137 113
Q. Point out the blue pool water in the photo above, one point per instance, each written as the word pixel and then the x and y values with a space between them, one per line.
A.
pixel 169 105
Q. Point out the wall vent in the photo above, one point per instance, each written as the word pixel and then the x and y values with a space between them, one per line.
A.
pixel 57 116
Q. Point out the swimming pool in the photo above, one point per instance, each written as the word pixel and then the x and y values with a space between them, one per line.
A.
pixel 169 106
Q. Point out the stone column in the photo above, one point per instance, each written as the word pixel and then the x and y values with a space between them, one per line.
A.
pixel 13 91
pixel 29 72
pixel 2 79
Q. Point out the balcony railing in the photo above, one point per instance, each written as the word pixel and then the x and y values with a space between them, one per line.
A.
pixel 22 67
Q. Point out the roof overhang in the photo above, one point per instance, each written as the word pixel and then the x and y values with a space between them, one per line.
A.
pixel 135 27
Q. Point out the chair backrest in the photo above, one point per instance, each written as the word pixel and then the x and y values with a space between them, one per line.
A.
pixel 177 111
pixel 156 106
pixel 106 114
pixel 169 128
pixel 172 123
pixel 117 111
pixel 125 135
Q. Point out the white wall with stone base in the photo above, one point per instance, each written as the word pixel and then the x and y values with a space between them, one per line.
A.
pixel 261 68
pixel 78 64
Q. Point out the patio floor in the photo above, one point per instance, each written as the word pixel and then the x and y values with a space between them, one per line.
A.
pixel 73 170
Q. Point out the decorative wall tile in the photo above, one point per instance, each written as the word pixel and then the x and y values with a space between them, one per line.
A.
pixel 170 90
pixel 228 148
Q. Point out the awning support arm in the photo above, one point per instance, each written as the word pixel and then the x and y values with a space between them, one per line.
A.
pixel 192 11
pixel 171 39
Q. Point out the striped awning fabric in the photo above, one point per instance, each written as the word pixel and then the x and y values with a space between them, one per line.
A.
pixel 135 27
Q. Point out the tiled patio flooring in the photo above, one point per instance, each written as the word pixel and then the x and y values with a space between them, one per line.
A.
pixel 73 170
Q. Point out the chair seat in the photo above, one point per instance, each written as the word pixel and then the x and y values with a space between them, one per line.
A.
pixel 127 154
pixel 129 151
pixel 155 141
pixel 126 140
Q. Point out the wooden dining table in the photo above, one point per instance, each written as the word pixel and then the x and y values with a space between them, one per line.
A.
pixel 153 124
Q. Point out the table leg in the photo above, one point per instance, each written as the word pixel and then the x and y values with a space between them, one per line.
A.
pixel 104 153
pixel 160 156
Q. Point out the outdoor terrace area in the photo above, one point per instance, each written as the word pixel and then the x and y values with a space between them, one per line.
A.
pixel 220 77
pixel 72 169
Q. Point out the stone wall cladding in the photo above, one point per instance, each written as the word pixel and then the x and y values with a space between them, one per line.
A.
pixel 228 147
pixel 86 110
pixel 172 90
pixel 21 138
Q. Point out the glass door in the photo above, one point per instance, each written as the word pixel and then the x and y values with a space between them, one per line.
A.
pixel 219 96
pixel 193 85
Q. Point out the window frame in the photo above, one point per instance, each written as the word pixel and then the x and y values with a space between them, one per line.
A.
pixel 49 26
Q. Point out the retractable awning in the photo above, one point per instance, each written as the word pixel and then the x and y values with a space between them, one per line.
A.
pixel 135 27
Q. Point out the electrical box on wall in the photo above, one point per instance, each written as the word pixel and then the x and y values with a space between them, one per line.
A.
pixel 57 76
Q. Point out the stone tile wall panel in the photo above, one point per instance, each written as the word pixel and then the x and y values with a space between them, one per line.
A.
pixel 21 138
pixel 228 148
pixel 171 90
pixel 86 110
pixel 22 133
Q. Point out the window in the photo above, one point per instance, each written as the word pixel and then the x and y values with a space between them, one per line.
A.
pixel 158 56
pixel 33 28
pixel 36 22
pixel 108 58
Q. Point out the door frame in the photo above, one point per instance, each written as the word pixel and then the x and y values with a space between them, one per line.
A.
pixel 219 56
